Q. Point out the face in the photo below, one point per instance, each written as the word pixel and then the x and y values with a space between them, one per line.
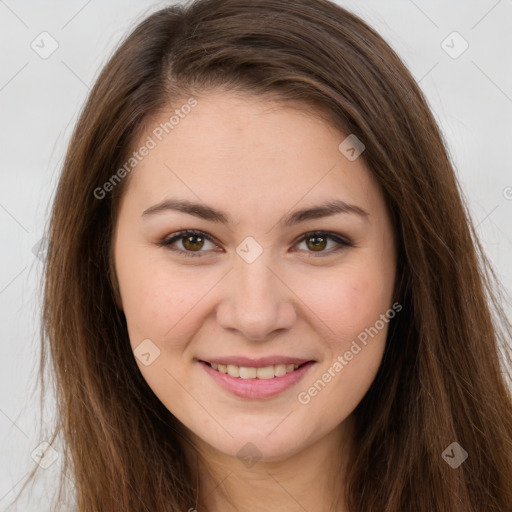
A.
pixel 256 284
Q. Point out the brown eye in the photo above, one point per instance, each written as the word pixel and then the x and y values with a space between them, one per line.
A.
pixel 318 243
pixel 193 242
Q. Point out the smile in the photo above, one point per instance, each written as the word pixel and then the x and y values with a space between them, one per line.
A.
pixel 261 382
pixel 248 372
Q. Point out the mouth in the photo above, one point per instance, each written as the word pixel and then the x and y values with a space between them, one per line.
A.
pixel 257 382
pixel 253 372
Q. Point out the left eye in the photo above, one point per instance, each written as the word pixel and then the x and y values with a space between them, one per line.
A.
pixel 193 241
pixel 318 241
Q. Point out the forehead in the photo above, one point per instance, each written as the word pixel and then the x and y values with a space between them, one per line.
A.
pixel 237 149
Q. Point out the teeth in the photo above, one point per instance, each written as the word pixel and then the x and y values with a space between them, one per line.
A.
pixel 280 369
pixel 267 372
pixel 246 372
pixel 233 370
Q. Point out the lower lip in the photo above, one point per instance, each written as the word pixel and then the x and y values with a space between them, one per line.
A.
pixel 257 388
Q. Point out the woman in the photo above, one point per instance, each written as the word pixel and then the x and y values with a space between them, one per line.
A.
pixel 263 290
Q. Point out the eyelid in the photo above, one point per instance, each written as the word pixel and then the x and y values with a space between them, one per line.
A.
pixel 343 242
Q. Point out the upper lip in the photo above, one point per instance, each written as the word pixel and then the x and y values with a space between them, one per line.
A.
pixel 255 363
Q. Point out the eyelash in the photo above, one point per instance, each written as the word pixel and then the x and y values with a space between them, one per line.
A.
pixel 167 242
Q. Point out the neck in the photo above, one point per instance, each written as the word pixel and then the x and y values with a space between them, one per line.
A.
pixel 310 479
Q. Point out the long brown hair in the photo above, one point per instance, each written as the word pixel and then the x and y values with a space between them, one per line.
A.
pixel 440 380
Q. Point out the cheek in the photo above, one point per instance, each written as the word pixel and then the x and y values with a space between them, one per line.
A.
pixel 348 299
pixel 150 298
pixel 354 336
pixel 350 304
pixel 161 301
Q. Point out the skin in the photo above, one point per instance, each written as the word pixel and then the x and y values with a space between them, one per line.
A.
pixel 257 161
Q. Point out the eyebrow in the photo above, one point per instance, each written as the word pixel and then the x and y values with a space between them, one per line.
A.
pixel 211 214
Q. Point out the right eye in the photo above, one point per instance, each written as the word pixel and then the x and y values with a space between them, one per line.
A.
pixel 192 240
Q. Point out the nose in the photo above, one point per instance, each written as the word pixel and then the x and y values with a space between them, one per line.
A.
pixel 256 300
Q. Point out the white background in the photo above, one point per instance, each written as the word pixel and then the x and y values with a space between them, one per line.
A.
pixel 471 96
